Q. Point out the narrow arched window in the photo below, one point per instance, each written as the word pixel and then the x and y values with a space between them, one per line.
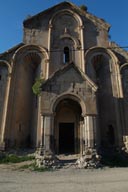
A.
pixel 66 55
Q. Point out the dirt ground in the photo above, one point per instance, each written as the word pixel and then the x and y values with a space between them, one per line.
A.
pixel 69 180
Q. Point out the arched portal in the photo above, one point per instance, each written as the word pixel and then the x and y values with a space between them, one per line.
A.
pixel 67 126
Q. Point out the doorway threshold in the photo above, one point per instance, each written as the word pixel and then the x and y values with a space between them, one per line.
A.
pixel 68 160
pixel 68 156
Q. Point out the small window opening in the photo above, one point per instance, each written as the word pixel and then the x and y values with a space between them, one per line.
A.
pixel 0 77
pixel 66 56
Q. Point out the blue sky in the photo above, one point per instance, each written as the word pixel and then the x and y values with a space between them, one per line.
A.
pixel 13 12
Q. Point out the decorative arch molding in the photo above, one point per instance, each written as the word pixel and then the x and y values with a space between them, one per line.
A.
pixel 114 65
pixel 4 62
pixel 69 12
pixel 23 51
pixel 123 66
pixel 101 50
pixel 75 40
pixel 66 34
pixel 74 97
pixel 76 36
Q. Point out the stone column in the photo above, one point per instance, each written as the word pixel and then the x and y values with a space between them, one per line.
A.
pixel 4 115
pixel 45 156
pixel 82 47
pixel 42 132
pixel 47 133
pixel 90 158
pixel 90 131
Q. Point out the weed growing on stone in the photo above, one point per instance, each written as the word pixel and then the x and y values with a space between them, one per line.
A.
pixel 12 158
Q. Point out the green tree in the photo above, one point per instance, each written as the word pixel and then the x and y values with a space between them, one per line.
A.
pixel 36 88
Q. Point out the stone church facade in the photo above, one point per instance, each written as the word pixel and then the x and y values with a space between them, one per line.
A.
pixel 83 102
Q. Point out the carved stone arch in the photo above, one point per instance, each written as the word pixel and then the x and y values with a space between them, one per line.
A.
pixel 33 53
pixel 70 12
pixel 101 50
pixel 94 56
pixel 69 111
pixel 67 43
pixel 77 44
pixel 66 29
pixel 3 62
pixel 70 27
pixel 74 97
pixel 123 66
pixel 30 47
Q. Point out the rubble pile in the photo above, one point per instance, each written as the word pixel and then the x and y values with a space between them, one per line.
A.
pixel 89 160
pixel 45 160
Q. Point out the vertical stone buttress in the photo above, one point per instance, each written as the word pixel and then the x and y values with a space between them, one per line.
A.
pixel 4 115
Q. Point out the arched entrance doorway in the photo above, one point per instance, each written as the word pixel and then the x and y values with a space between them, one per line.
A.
pixel 67 127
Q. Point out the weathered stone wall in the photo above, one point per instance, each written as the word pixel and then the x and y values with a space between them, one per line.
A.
pixel 65 27
pixel 42 55
pixel 68 82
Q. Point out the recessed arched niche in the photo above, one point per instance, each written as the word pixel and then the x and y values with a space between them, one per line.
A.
pixel 31 64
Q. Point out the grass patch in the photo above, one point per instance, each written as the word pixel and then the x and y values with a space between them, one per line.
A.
pixel 33 167
pixel 12 158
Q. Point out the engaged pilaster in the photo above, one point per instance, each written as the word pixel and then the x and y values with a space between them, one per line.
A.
pixel 90 132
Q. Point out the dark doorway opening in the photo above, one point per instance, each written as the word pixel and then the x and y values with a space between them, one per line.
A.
pixel 66 138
